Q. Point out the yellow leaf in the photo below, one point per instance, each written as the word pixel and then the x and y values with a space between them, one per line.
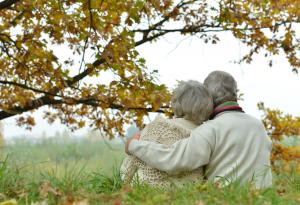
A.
pixel 9 202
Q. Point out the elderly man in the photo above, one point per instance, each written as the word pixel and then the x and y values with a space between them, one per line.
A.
pixel 232 146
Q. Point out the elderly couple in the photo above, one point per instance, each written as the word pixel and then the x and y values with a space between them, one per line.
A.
pixel 210 138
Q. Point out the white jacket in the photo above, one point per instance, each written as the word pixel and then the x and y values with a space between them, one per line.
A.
pixel 233 146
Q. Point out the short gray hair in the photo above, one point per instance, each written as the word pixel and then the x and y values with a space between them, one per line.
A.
pixel 222 86
pixel 192 101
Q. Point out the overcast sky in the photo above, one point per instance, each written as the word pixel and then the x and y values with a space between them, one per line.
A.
pixel 178 58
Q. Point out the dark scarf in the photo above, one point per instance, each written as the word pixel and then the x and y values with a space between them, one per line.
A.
pixel 227 106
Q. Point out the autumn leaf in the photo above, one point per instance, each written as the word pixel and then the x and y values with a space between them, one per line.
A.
pixel 9 202
pixel 199 202
pixel 45 189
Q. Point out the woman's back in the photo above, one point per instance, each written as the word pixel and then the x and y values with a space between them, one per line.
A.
pixel 164 131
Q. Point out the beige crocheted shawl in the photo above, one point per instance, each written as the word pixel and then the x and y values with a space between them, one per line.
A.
pixel 164 131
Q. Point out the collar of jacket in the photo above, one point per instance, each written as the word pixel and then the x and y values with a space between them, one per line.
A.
pixel 227 106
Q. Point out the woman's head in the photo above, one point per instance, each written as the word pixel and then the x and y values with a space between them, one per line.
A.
pixel 192 101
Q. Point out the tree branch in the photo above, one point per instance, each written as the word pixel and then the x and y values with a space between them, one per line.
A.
pixel 148 39
pixel 45 100
pixel 7 3
pixel 48 100
pixel 26 87
pixel 84 73
pixel 205 28
pixel 95 103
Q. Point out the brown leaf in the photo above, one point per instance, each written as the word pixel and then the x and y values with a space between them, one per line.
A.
pixel 199 202
pixel 46 188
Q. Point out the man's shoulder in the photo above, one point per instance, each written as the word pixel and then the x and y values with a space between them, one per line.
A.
pixel 235 116
pixel 208 126
pixel 251 119
pixel 237 119
pixel 230 120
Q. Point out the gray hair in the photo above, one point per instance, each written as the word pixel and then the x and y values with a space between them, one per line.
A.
pixel 222 86
pixel 192 101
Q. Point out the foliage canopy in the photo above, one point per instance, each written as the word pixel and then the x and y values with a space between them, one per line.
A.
pixel 280 125
pixel 102 36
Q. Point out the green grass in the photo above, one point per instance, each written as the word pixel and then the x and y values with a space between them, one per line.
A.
pixel 54 154
pixel 61 173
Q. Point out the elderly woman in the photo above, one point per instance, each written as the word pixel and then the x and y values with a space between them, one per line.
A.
pixel 192 105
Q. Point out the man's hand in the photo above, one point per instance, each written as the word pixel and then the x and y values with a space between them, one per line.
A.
pixel 137 136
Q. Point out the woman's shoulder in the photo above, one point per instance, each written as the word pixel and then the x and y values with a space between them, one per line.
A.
pixel 166 131
pixel 179 123
pixel 159 121
pixel 182 123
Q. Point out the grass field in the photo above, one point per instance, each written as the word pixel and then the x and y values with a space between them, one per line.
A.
pixel 52 171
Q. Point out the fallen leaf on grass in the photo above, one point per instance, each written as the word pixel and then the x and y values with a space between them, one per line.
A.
pixel 281 191
pixel 199 202
pixel 83 202
pixel 127 189
pixel 40 203
pixel 65 202
pixel 202 187
pixel 9 202
pixel 46 188
pixel 118 202
pixel 298 198
pixel 72 201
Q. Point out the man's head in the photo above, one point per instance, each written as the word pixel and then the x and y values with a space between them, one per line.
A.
pixel 192 101
pixel 222 86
